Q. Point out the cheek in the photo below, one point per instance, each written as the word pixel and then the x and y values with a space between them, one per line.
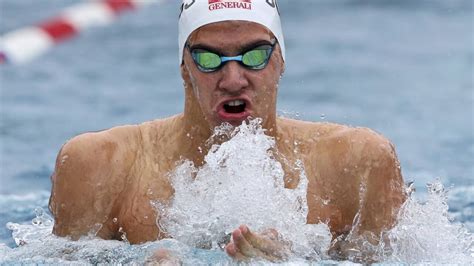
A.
pixel 206 98
pixel 266 86
pixel 201 87
pixel 266 94
pixel 204 94
pixel 204 89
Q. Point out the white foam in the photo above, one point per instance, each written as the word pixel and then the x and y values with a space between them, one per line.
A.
pixel 240 183
pixel 425 232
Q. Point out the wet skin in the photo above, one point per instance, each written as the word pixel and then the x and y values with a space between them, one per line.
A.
pixel 110 177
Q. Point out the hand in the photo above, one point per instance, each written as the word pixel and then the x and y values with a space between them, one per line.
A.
pixel 162 257
pixel 266 245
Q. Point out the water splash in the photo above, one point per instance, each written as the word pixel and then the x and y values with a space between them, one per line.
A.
pixel 425 232
pixel 241 182
pixel 37 245
pixel 24 234
pixel 424 235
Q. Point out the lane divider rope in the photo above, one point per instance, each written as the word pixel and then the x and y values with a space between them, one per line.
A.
pixel 24 44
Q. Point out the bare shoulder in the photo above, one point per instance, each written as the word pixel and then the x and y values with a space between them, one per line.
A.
pixel 90 173
pixel 368 154
pixel 356 168
pixel 161 129
pixel 366 162
pixel 341 141
pixel 106 153
pixel 360 142
pixel 301 129
pixel 87 152
pixel 93 173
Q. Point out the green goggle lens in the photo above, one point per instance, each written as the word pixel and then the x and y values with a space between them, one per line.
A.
pixel 256 57
pixel 207 59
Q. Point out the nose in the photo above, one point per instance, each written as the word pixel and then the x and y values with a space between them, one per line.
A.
pixel 233 79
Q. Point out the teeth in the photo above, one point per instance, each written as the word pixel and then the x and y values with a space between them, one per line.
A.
pixel 235 103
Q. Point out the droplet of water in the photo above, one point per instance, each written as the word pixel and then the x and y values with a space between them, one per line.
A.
pixel 39 212
pixel 410 188
pixel 42 218
pixel 94 230
pixel 436 188
pixel 149 192
pixel 12 226
pixel 123 235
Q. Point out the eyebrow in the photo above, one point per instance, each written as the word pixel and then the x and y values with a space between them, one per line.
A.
pixel 242 49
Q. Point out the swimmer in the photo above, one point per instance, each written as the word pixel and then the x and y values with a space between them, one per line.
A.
pixel 231 56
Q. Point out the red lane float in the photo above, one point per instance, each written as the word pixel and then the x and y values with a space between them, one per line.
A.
pixel 58 29
pixel 23 45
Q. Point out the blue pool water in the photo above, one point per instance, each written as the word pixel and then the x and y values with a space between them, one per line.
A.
pixel 403 68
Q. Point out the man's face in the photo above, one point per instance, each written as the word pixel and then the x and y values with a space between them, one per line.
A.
pixel 233 93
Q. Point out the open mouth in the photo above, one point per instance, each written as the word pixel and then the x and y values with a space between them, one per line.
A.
pixel 235 107
pixel 234 111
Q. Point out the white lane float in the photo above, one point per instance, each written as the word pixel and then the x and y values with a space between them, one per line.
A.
pixel 23 45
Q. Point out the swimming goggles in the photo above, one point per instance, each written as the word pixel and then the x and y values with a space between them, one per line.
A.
pixel 255 58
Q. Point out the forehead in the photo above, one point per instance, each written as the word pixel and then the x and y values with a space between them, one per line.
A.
pixel 230 34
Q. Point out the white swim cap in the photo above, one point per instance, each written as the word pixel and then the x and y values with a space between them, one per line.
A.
pixel 197 13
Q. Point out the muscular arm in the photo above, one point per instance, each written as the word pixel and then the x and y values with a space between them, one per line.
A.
pixel 380 194
pixel 382 186
pixel 89 177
